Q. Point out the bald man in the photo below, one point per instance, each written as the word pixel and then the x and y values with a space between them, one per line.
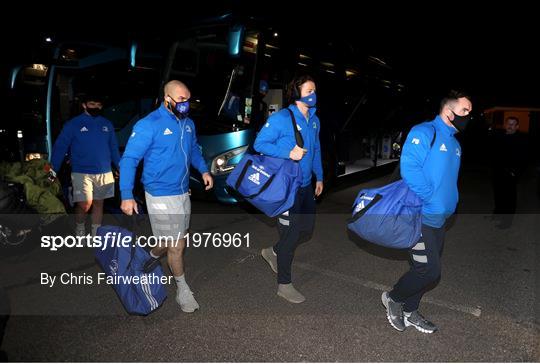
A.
pixel 167 142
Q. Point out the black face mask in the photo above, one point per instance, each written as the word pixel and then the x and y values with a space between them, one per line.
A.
pixel 460 122
pixel 93 111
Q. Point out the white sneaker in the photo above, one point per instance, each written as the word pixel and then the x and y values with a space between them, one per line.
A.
pixel 186 300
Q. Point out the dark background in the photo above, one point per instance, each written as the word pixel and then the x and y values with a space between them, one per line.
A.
pixel 487 50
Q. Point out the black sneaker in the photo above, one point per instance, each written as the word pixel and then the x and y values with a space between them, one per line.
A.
pixel 419 322
pixel 150 264
pixel 394 312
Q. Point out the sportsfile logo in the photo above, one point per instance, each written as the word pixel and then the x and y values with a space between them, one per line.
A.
pixel 255 178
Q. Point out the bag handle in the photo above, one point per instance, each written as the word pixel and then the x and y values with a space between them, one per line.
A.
pixel 241 178
pixel 132 221
pixel 297 135
pixel 361 213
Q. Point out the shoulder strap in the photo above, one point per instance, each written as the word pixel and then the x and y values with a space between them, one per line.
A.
pixel 434 136
pixel 297 135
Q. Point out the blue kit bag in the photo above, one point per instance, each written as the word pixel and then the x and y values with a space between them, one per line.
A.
pixel 140 293
pixel 270 184
pixel 390 216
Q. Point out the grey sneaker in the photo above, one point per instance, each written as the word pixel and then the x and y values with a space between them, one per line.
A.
pixel 186 300
pixel 419 322
pixel 394 312
pixel 270 257
pixel 290 293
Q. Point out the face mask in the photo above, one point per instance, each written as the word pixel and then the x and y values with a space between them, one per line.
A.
pixel 93 111
pixel 460 122
pixel 180 109
pixel 310 100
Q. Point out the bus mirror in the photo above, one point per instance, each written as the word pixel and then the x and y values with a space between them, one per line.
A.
pixel 235 40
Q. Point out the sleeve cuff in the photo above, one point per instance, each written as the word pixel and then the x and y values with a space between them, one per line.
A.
pixel 127 194
pixel 284 154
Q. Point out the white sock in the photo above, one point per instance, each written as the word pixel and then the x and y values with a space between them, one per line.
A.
pixel 181 282
pixel 94 229
pixel 154 256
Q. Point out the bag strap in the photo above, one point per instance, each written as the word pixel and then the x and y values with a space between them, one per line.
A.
pixel 241 178
pixel 361 213
pixel 132 221
pixel 433 139
pixel 297 135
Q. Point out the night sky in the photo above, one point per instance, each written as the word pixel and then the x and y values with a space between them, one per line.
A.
pixel 491 53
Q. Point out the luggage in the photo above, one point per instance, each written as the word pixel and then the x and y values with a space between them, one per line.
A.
pixel 140 293
pixel 390 216
pixel 270 184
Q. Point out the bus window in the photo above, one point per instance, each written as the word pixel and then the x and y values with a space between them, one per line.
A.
pixel 221 87
pixel 26 111
pixel 129 93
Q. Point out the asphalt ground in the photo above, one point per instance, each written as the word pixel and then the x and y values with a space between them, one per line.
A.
pixel 486 305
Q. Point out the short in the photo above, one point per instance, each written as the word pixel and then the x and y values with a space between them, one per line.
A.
pixel 89 187
pixel 169 215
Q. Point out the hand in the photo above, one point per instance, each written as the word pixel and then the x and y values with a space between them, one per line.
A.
pixel 318 188
pixel 208 181
pixel 297 153
pixel 128 206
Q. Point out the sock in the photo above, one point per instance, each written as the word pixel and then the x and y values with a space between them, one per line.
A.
pixel 407 313
pixel 154 256
pixel 181 282
pixel 80 226
pixel 94 229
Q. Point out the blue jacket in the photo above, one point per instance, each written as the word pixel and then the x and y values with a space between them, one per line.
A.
pixel 276 139
pixel 91 142
pixel 432 173
pixel 168 146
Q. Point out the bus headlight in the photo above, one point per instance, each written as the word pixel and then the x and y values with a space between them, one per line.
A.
pixel 220 164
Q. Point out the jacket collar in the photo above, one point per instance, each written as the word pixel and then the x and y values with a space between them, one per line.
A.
pixel 443 127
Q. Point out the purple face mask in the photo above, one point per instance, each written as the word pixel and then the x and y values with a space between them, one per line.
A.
pixel 180 109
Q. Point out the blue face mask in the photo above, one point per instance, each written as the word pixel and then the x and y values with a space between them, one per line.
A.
pixel 180 109
pixel 310 100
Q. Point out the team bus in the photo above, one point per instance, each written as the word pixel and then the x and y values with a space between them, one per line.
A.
pixel 237 70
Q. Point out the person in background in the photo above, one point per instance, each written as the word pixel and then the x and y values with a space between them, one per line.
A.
pixel 90 140
pixel 509 156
